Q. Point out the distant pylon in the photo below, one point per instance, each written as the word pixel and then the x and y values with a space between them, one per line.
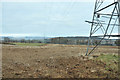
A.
pixel 104 22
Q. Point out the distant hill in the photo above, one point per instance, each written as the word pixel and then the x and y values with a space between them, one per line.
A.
pixel 26 38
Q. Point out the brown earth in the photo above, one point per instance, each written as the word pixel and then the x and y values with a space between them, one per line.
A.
pixel 54 61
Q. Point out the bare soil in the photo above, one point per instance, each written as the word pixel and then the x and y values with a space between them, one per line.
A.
pixel 54 61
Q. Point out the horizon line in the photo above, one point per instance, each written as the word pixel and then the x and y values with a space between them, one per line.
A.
pixel 37 35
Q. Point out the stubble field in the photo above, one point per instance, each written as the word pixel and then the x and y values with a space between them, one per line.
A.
pixel 58 61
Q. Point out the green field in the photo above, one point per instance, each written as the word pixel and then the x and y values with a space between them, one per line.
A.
pixel 110 60
pixel 29 44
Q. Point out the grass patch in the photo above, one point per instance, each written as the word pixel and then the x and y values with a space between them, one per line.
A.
pixel 108 57
pixel 110 60
pixel 30 44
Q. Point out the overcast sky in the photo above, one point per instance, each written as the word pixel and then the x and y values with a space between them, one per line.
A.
pixel 46 18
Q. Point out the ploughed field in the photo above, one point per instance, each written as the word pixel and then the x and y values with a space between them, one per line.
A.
pixel 58 61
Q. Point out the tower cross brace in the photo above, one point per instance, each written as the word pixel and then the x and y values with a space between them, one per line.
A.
pixel 97 24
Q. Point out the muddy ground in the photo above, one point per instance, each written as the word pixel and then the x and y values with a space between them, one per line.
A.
pixel 55 61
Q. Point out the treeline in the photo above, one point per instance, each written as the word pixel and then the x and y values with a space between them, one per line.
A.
pixel 8 40
pixel 84 41
pixel 60 40
pixel 117 42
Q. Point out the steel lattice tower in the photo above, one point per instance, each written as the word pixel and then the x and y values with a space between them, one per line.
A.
pixel 104 22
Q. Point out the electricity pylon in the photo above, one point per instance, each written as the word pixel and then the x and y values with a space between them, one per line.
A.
pixel 105 19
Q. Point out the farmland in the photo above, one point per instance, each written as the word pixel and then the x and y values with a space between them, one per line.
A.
pixel 58 61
